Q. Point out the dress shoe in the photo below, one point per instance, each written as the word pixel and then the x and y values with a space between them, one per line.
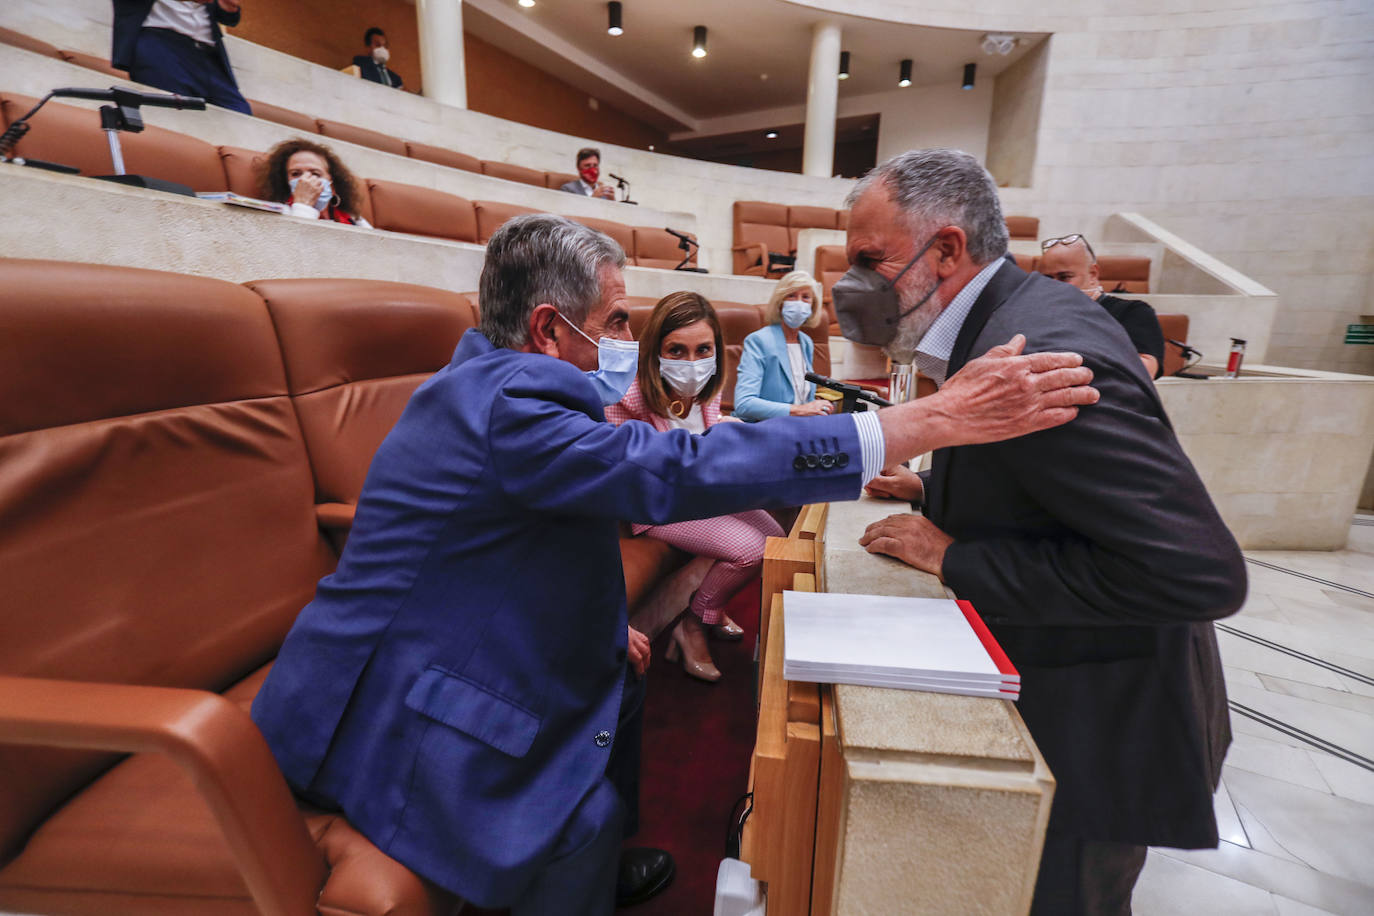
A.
pixel 688 646
pixel 643 873
pixel 728 630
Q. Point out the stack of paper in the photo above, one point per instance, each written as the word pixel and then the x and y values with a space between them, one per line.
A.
pixel 933 644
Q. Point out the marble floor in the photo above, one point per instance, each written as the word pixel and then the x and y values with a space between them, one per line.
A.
pixel 1296 817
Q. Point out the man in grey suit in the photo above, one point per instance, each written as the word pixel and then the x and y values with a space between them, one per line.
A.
pixel 1092 550
pixel 588 182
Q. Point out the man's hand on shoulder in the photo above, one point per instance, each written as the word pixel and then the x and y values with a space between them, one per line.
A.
pixel 1003 395
pixel 913 539
pixel 897 483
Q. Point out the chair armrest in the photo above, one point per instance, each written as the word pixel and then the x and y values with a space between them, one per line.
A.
pixel 213 741
pixel 748 255
pixel 335 516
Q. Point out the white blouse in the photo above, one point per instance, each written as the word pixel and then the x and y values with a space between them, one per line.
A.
pixel 799 370
pixel 694 422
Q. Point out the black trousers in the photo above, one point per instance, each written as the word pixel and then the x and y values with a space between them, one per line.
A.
pixel 1080 877
pixel 623 767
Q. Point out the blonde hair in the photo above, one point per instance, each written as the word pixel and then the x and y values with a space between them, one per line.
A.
pixel 789 284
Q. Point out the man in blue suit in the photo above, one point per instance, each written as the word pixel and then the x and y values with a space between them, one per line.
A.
pixel 177 45
pixel 456 687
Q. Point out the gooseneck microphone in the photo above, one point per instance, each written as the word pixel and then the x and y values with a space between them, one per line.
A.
pixel 131 97
pixel 852 397
pixel 681 236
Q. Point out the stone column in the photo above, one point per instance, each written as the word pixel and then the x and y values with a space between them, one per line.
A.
pixel 442 62
pixel 822 100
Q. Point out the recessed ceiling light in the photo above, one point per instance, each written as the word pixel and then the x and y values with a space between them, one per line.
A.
pixel 771 135
pixel 699 41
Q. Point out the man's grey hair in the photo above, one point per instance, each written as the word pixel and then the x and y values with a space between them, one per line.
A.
pixel 943 187
pixel 538 258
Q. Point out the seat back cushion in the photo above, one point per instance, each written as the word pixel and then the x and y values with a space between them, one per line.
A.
pixel 1023 227
pixel 243 170
pixel 156 503
pixel 279 115
pixel 441 156
pixel 737 321
pixel 350 133
pixel 355 350
pixel 423 211
pixel 491 215
pixel 1174 327
pixel 624 235
pixel 1124 273
pixel 513 172
pixel 72 135
pixel 92 62
pixel 656 248
pixel 28 43
pixel 556 180
pixel 799 218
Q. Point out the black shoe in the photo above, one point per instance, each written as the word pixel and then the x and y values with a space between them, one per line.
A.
pixel 643 873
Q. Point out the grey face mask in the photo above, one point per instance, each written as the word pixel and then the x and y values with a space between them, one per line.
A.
pixel 867 305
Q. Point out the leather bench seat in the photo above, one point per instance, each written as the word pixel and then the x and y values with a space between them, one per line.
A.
pixel 511 172
pixel 28 43
pixel 285 116
pixel 1023 227
pixel 657 248
pixel 351 133
pixel 441 156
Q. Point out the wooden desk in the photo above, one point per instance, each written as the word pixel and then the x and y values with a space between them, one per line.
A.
pixel 869 800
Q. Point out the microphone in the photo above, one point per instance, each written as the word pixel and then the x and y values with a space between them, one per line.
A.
pixel 615 176
pixel 851 394
pixel 132 97
pixel 1187 350
pixel 680 236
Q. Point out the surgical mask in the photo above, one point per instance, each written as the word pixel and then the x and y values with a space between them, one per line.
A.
pixel 326 193
pixel 687 376
pixel 795 312
pixel 617 361
pixel 380 55
pixel 868 307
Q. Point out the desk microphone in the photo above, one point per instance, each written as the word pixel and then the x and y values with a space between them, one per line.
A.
pixel 851 396
pixel 1186 350
pixel 121 96
pixel 681 236
pixel 615 176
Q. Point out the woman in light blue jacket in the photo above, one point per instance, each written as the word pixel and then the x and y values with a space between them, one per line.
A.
pixel 772 371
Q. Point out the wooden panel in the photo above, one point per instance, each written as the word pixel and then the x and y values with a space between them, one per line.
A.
pixel 783 558
pixel 760 844
pixel 829 809
pixel 810 522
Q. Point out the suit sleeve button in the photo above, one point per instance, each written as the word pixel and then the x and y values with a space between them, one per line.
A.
pixel 842 460
pixel 827 461
pixel 813 461
pixel 799 463
pixel 603 739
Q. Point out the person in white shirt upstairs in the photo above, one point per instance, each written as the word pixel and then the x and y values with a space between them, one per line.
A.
pixel 772 369
pixel 176 45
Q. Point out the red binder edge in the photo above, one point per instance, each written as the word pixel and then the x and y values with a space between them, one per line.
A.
pixel 999 658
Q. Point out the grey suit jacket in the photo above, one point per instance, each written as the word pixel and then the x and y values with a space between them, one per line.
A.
pixel 574 187
pixel 1099 562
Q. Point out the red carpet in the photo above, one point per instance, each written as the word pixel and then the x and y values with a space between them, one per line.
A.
pixel 697 742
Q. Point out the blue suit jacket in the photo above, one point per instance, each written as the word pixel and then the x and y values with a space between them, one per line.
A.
pixel 128 20
pixel 763 385
pixel 447 685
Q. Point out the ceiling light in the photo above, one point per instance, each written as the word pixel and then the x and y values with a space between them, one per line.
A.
pixel 904 79
pixel 844 65
pixel 771 135
pixel 527 3
pixel 998 43
pixel 651 147
pixel 969 71
pixel 614 27
pixel 699 41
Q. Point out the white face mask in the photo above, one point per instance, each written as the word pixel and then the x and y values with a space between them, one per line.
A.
pixel 617 361
pixel 795 312
pixel 381 55
pixel 687 376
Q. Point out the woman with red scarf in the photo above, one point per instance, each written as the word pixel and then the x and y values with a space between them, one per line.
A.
pixel 313 181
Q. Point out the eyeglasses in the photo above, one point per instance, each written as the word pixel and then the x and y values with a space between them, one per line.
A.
pixel 1068 240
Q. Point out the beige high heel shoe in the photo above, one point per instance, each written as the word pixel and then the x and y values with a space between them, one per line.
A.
pixel 695 662
pixel 727 630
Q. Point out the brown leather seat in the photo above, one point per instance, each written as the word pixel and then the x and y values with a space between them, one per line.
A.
pixel 656 248
pixel 513 172
pixel 337 130
pixel 72 136
pixel 423 211
pixel 491 215
pixel 441 156
pixel 1124 273
pixel 760 229
pixel 831 263
pixel 279 115
pixel 624 235
pixel 556 180
pixel 243 170
pixel 93 62
pixel 1174 327
pixel 799 218
pixel 1026 262
pixel 1023 227
pixel 28 43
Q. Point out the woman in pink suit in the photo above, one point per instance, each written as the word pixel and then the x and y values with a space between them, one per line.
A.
pixel 681 373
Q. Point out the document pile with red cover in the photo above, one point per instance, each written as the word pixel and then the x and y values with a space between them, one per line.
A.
pixel 934 644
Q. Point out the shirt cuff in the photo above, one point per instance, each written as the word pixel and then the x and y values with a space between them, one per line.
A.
pixel 304 211
pixel 871 445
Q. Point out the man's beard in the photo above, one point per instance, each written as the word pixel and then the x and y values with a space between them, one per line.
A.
pixel 914 326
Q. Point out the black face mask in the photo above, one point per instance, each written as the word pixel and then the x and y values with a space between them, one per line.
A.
pixel 867 305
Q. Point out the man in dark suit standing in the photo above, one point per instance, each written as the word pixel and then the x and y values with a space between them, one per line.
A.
pixel 372 65
pixel 176 45
pixel 1092 550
